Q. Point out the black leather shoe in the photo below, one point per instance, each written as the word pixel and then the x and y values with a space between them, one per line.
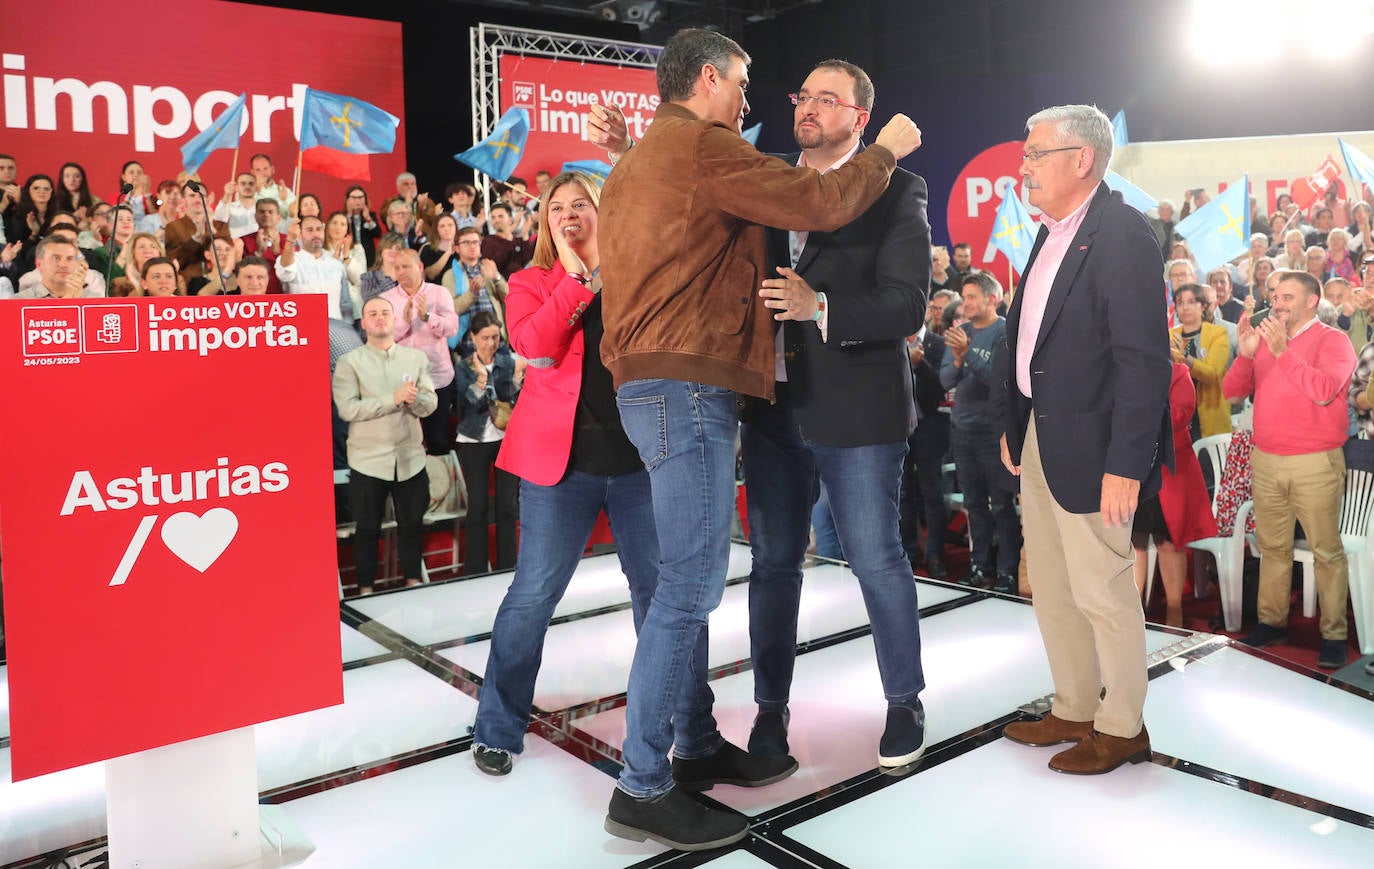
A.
pixel 768 737
pixel 673 819
pixel 492 761
pixel 1333 654
pixel 731 765
pixel 1265 635
pixel 904 737
pixel 979 578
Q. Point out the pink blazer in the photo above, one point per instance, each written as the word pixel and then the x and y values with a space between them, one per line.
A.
pixel 544 319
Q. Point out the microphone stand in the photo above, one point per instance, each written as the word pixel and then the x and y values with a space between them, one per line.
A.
pixel 124 190
pixel 199 189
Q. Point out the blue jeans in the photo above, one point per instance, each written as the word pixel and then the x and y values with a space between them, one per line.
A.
pixel 978 463
pixel 864 484
pixel 823 521
pixel 685 434
pixel 556 522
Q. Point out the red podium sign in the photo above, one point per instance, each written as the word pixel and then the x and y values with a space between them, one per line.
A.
pixel 166 511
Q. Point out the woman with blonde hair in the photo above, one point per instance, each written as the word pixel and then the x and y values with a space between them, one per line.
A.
pixel 566 444
pixel 143 246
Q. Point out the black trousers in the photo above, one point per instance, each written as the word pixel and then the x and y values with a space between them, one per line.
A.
pixel 435 426
pixel 478 462
pixel 922 496
pixel 367 497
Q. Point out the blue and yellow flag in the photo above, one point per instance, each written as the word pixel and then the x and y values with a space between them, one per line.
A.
pixel 596 169
pixel 1361 168
pixel 499 153
pixel 223 132
pixel 1219 231
pixel 1120 135
pixel 346 124
pixel 1134 196
pixel 1013 229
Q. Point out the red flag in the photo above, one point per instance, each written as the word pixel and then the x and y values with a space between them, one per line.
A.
pixel 340 164
pixel 1306 191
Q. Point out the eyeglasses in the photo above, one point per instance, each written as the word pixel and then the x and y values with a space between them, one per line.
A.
pixel 1035 155
pixel 826 103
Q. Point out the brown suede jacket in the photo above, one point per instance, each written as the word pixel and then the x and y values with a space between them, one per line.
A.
pixel 683 256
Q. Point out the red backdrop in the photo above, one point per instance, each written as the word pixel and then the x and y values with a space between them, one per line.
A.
pixel 557 94
pixel 974 200
pixel 167 522
pixel 155 92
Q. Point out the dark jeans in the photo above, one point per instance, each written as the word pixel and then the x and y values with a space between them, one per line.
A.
pixel 922 489
pixel 435 426
pixel 991 505
pixel 368 500
pixel 477 462
pixel 556 523
pixel 780 469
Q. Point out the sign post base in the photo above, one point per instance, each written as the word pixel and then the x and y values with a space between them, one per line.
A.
pixel 194 805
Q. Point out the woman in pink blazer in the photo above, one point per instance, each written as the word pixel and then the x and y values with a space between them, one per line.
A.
pixel 566 444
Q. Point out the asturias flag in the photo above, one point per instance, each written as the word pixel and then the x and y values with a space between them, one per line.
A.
pixel 498 154
pixel 1219 231
pixel 1134 196
pixel 223 132
pixel 1013 229
pixel 1359 165
pixel 594 168
pixel 346 124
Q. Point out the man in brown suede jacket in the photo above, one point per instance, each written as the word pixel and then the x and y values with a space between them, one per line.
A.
pixel 683 258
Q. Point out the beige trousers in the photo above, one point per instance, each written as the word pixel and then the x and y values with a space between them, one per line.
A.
pixel 1306 487
pixel 1087 605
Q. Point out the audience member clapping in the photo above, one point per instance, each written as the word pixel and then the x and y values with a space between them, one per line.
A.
pixel 1202 348
pixel 382 276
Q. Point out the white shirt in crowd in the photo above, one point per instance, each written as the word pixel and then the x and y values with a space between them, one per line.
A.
pixel 324 274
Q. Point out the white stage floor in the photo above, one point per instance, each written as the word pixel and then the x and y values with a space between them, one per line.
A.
pixel 1255 762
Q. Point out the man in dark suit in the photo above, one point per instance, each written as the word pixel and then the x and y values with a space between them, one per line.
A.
pixel 1087 430
pixel 847 300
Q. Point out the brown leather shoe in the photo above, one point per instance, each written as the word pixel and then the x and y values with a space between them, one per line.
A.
pixel 1099 753
pixel 1047 731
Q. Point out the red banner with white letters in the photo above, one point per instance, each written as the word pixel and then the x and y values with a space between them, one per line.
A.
pixel 166 513
pixel 557 94
pixel 135 80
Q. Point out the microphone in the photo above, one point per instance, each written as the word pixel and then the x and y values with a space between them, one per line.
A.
pixel 124 190
pixel 199 189
pixel 196 186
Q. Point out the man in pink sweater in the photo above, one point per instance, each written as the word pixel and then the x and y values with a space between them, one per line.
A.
pixel 1298 370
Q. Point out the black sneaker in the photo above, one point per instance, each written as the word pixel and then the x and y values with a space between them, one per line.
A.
pixel 1333 654
pixel 492 761
pixel 1265 635
pixel 979 578
pixel 768 737
pixel 936 570
pixel 904 737
pixel 731 765
pixel 673 819
pixel 1006 583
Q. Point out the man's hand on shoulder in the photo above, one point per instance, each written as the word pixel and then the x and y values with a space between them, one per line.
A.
pixel 1119 499
pixel 606 128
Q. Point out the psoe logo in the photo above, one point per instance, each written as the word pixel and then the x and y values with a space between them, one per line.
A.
pixel 110 328
pixel 52 330
pixel 70 330
pixel 522 94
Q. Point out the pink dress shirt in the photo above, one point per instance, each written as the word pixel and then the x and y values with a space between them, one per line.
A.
pixel 1035 292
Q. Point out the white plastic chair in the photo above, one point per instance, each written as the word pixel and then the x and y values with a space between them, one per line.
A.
pixel 1357 536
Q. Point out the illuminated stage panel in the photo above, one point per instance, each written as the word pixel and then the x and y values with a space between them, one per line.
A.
pixel 445 813
pixel 737 860
pixel 50 812
pixel 999 805
pixel 589 659
pixel 981 662
pixel 357 647
pixel 453 610
pixel 1235 712
pixel 389 709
